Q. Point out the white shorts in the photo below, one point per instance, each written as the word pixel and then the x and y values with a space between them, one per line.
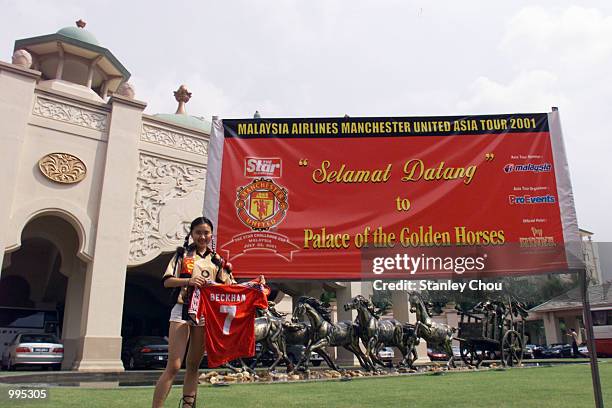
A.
pixel 176 315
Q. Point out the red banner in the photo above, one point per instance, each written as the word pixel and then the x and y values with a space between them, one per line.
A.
pixel 353 198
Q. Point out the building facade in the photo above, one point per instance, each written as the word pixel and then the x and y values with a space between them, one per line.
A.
pixel 98 194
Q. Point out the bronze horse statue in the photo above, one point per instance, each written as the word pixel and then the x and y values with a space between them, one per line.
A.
pixel 300 333
pixel 269 333
pixel 325 333
pixel 435 334
pixel 376 333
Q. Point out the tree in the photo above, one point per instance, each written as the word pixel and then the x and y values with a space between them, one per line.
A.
pixel 529 290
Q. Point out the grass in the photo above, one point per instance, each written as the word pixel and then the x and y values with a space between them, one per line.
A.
pixel 558 386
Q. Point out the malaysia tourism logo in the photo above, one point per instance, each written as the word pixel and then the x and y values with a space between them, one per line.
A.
pixel 529 167
pixel 537 239
pixel 527 199
pixel 261 204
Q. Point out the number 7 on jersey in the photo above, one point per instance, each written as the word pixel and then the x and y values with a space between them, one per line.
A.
pixel 231 313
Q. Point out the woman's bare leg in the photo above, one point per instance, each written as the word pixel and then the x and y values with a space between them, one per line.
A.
pixel 178 335
pixel 194 358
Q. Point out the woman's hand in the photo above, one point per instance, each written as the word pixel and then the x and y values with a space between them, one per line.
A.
pixel 196 280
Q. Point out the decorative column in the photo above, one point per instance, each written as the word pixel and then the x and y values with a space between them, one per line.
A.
pixel 17 84
pixel 99 347
pixel 551 328
pixel 401 312
pixel 73 313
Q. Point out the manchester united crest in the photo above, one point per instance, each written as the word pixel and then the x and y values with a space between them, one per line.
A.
pixel 261 204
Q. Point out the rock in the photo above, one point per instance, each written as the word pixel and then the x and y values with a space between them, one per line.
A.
pixel 208 376
pixel 280 377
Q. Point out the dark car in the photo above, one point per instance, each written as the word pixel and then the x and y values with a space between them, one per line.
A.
pixel 294 352
pixel 144 352
pixel 557 351
pixel 533 351
pixel 436 355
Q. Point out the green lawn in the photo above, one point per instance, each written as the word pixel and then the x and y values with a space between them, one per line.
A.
pixel 559 386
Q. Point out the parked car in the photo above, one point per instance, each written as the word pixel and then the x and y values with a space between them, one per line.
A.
pixel 386 355
pixel 294 352
pixel 584 350
pixel 30 349
pixel 436 355
pixel 144 352
pixel 535 351
pixel 557 351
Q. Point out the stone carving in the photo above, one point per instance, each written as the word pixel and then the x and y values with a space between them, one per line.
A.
pixel 62 168
pixel 168 196
pixel 174 140
pixel 70 114
pixel 126 89
pixel 22 58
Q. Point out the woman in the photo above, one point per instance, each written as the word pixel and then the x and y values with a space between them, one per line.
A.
pixel 178 275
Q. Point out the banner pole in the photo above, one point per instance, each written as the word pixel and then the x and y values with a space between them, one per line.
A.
pixel 588 323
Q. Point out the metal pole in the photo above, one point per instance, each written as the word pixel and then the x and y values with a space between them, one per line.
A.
pixel 588 323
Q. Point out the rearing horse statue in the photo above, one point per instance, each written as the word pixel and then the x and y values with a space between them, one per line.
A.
pixel 325 333
pixel 435 334
pixel 376 333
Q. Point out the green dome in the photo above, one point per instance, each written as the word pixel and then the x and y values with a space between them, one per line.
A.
pixel 186 121
pixel 79 34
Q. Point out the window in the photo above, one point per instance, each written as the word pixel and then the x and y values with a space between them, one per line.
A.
pixel 602 317
pixel 38 338
pixel 22 318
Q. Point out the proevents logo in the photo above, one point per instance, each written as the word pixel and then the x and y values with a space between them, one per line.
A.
pixel 528 199
pixel 529 167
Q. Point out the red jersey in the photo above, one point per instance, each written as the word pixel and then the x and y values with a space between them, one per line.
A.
pixel 229 312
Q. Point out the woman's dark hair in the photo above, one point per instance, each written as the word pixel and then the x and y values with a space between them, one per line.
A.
pixel 188 247
pixel 195 223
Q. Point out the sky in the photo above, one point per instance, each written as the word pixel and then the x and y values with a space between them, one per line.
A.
pixel 290 58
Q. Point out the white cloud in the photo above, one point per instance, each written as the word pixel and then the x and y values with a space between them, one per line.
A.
pixel 558 57
pixel 364 58
pixel 574 42
pixel 531 91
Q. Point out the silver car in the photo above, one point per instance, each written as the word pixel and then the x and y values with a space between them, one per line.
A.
pixel 29 349
pixel 386 355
